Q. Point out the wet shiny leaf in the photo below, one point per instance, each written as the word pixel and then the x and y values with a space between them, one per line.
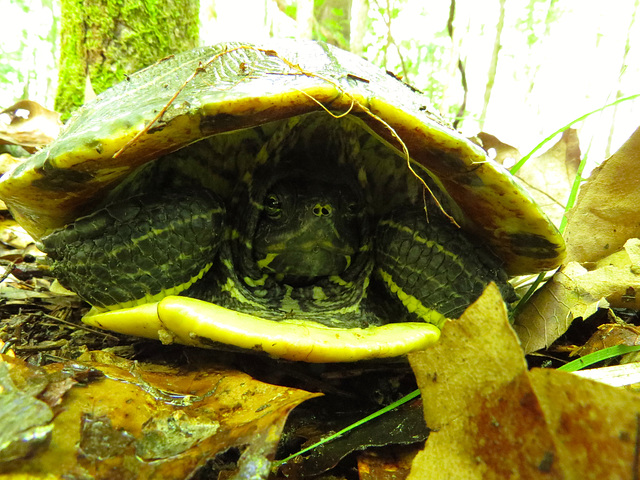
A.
pixel 151 421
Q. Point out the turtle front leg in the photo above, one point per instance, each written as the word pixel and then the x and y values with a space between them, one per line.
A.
pixel 139 249
pixel 433 268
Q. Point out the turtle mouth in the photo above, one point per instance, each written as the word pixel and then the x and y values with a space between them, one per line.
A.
pixel 305 262
pixel 313 247
pixel 313 250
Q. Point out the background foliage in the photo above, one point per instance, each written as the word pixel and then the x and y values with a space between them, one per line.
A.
pixel 553 59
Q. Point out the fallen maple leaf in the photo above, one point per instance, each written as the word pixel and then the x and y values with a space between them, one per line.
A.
pixel 494 419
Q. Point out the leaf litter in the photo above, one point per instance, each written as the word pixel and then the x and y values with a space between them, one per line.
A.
pixel 493 418
pixel 603 264
pixel 542 401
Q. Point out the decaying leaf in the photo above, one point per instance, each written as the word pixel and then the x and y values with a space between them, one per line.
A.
pixel 606 213
pixel 487 422
pixel 577 292
pixel 549 176
pixel 29 124
pixel 11 293
pixel 550 311
pixel 403 425
pixel 610 335
pixel 148 421
pixel 595 426
pixel 391 464
pixel 494 419
pixel 25 419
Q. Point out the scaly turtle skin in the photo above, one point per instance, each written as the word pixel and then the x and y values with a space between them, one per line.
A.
pixel 301 232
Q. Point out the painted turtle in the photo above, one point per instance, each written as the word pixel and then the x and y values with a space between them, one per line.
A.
pixel 287 197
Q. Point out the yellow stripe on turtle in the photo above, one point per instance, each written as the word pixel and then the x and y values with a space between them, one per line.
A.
pixel 253 282
pixel 412 304
pixel 149 298
pixel 264 262
pixel 425 241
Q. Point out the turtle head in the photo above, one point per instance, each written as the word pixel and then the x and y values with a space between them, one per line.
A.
pixel 308 228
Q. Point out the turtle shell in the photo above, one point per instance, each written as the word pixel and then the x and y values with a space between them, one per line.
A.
pixel 229 87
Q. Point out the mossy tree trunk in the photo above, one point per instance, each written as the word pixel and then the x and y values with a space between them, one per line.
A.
pixel 333 21
pixel 104 40
pixel 359 22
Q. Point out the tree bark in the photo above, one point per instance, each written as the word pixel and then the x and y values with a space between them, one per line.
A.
pixel 359 16
pixel 304 19
pixel 548 21
pixel 104 40
pixel 333 22
pixel 623 67
pixel 493 66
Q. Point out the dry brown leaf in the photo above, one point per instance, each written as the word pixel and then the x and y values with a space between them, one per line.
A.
pixel 606 213
pixel 493 420
pixel 610 335
pixel 549 177
pixel 481 405
pixel 550 311
pixel 595 425
pixel 29 124
pixel 150 421
pixel 387 464
pixel 617 277
pixel 576 292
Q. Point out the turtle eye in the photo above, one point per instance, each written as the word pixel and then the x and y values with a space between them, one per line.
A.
pixel 272 205
pixel 353 208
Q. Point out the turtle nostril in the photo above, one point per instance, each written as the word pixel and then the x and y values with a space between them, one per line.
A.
pixel 322 210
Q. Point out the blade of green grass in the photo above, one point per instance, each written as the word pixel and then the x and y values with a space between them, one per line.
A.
pixel 382 411
pixel 572 195
pixel 524 159
pixel 598 356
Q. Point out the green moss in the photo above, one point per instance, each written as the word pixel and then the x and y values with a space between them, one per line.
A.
pixel 108 39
